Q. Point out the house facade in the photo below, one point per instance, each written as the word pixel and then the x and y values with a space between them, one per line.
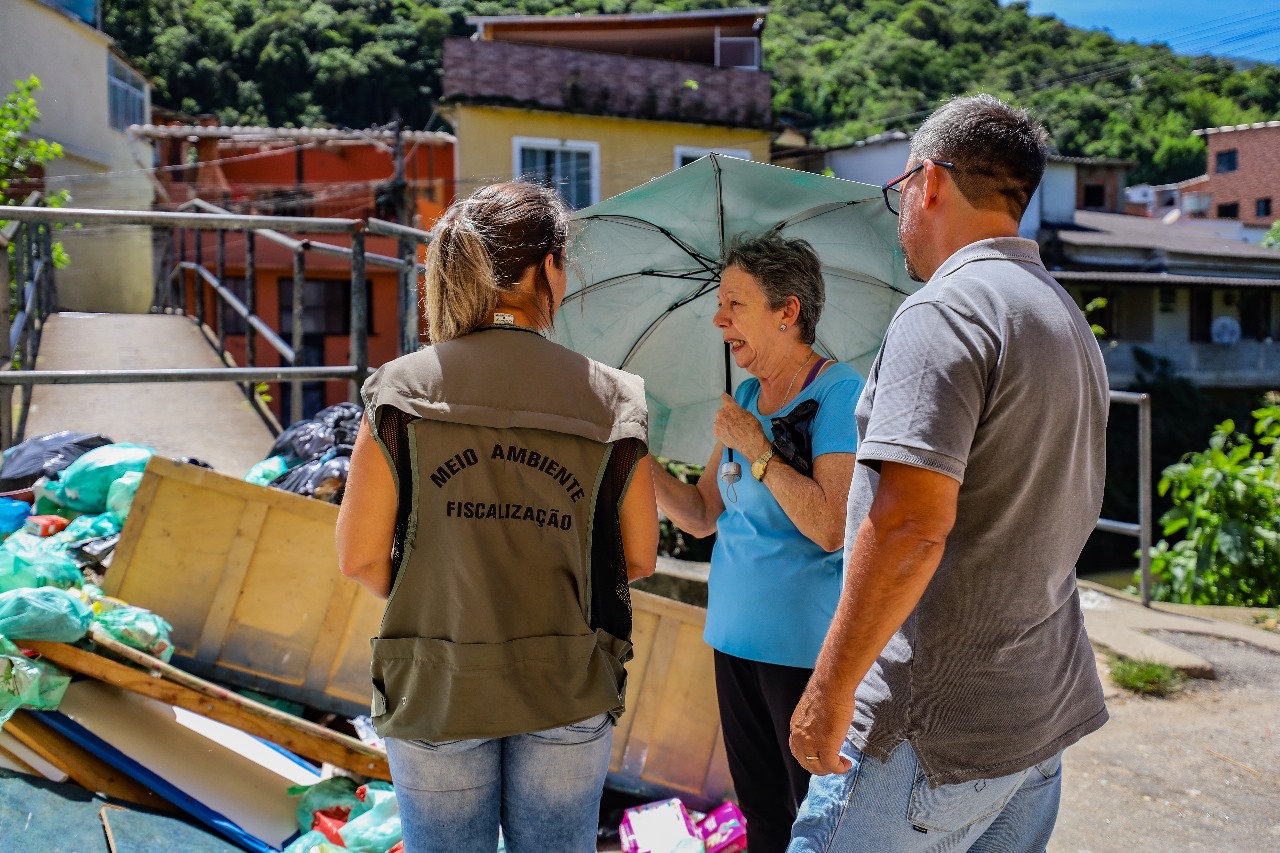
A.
pixel 603 103
pixel 1244 174
pixel 89 97
pixel 1180 289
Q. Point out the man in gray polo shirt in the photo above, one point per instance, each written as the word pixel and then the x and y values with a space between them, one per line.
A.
pixel 980 470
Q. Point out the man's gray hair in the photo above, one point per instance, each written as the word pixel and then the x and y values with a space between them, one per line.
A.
pixel 999 152
pixel 783 268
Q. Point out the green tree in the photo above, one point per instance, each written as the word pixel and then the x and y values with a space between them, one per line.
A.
pixel 1224 507
pixel 22 157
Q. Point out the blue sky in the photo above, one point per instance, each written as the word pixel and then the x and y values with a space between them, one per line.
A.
pixel 1244 28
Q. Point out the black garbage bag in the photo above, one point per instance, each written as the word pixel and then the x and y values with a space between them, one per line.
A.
pixel 335 426
pixel 45 456
pixel 323 478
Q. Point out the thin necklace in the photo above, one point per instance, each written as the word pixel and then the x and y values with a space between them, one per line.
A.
pixel 792 383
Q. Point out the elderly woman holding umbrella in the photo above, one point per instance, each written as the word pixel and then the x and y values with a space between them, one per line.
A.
pixel 776 569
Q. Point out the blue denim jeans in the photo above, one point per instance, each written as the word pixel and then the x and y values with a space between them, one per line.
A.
pixel 542 788
pixel 876 808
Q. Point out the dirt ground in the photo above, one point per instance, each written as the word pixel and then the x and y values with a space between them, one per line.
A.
pixel 1196 772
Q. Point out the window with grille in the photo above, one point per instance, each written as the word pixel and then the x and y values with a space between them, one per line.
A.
pixel 573 168
pixel 126 95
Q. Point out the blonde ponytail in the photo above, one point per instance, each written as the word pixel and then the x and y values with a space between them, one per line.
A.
pixel 483 245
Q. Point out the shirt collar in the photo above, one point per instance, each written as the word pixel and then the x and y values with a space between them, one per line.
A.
pixel 992 249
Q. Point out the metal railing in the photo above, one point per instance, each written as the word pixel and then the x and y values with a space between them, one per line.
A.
pixel 33 296
pixel 1141 530
pixel 186 274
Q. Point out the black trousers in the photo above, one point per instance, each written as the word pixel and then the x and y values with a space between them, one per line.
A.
pixel 756 702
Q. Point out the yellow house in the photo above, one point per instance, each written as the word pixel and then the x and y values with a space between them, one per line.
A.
pixel 598 104
pixel 89 96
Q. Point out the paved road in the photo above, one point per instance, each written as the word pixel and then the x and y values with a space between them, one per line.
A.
pixel 208 420
pixel 1196 772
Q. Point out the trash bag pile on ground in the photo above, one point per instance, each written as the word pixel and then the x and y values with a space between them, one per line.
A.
pixel 78 490
pixel 311 458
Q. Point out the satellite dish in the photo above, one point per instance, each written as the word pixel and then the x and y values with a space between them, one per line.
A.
pixel 1225 330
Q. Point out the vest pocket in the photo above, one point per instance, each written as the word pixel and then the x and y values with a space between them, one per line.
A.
pixel 435 689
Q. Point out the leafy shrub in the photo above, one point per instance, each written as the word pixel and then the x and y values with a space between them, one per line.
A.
pixel 1226 505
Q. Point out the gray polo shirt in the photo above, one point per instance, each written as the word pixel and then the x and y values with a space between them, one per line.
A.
pixel 989 374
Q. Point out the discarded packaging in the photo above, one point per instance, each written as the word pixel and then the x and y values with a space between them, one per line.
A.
pixel 44 456
pixel 31 569
pixel 44 525
pixel 724 830
pixel 26 683
pixel 334 792
pixel 138 628
pixel 13 515
pixel 84 485
pixel 267 470
pixel 377 829
pixel 662 827
pixel 311 842
pixel 120 495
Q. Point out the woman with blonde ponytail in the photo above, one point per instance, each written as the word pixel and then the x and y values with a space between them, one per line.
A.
pixel 500 498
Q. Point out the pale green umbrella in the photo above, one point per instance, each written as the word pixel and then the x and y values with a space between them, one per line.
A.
pixel 646 266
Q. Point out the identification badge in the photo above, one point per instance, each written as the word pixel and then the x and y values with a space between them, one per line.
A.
pixel 501 319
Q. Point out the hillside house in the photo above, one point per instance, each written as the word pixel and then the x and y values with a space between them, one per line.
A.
pixel 1244 175
pixel 598 104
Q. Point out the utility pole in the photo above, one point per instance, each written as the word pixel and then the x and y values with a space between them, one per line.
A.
pixel 398 184
pixel 408 250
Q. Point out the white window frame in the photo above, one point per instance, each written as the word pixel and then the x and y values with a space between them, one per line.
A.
pixel 131 89
pixel 519 143
pixel 694 152
pixel 738 40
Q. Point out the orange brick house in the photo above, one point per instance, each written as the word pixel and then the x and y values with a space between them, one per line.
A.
pixel 304 172
pixel 1244 173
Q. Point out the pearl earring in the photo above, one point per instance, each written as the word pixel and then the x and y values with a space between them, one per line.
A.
pixel 782 328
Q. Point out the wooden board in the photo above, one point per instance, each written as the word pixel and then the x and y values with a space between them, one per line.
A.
pixel 248 577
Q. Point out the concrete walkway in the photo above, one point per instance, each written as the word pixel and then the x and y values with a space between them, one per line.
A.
pixel 211 421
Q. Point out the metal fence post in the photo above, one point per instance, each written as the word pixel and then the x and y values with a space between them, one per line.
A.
pixel 250 296
pixel 182 275
pixel 198 283
pixel 217 302
pixel 1144 495
pixel 408 296
pixel 298 320
pixel 359 313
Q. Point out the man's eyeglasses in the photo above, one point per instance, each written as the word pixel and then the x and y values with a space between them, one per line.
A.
pixel 894 187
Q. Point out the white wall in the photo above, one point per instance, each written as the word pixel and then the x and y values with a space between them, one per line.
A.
pixel 111 266
pixel 1173 327
pixel 871 164
pixel 1058 193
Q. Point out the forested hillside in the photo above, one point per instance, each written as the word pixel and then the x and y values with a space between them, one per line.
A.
pixel 843 69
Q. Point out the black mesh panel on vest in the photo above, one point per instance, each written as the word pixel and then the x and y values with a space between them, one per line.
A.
pixel 610 593
pixel 393 429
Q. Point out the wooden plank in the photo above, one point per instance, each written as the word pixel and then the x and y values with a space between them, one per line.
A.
pixel 131 533
pixel 85 769
pixel 324 656
pixel 642 728
pixel 233 574
pixel 17 761
pixel 188 692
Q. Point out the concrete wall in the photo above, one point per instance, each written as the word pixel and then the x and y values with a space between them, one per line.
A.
pixel 631 151
pixel 111 266
pixel 870 164
pixel 1058 193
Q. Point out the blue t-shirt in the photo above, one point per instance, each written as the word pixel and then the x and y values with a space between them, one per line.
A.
pixel 772 591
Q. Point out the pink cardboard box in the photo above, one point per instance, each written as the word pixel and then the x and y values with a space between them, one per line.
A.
pixel 662 827
pixel 724 830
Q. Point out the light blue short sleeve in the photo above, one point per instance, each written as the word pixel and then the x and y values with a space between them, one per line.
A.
pixel 834 429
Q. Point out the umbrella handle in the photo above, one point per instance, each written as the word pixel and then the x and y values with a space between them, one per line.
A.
pixel 730 472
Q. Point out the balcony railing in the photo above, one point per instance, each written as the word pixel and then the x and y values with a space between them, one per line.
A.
pixel 579 81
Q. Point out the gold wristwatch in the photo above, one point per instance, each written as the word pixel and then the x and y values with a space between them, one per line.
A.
pixel 758 467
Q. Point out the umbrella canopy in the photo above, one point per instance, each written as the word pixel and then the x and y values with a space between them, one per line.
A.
pixel 645 266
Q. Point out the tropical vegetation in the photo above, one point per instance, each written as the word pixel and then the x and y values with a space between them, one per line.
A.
pixel 844 69
pixel 1225 513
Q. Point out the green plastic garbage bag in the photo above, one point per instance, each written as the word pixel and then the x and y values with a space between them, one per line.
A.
pixel 311 842
pixel 41 568
pixel 84 485
pixel 267 470
pixel 43 614
pixel 336 791
pixel 138 628
pixel 26 683
pixel 377 829
pixel 120 495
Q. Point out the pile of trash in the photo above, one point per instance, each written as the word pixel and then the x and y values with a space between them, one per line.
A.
pixel 668 827
pixel 311 458
pixel 67 497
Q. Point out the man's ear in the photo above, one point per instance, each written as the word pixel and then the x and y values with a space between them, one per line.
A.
pixel 932 183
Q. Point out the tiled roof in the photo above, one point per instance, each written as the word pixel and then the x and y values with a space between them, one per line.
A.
pixel 1257 125
pixel 1139 232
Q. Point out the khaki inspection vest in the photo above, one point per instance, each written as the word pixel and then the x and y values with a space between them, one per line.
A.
pixel 488 630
